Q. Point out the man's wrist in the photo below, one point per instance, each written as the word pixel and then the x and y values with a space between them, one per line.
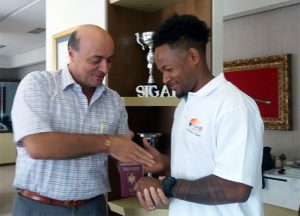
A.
pixel 107 142
pixel 167 185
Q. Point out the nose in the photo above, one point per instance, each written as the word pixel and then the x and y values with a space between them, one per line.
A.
pixel 166 78
pixel 104 66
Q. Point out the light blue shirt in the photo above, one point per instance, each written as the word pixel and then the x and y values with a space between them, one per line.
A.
pixel 53 102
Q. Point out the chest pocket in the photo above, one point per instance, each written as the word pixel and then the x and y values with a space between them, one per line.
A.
pixel 106 127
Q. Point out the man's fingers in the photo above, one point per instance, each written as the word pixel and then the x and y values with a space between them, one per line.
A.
pixel 151 149
pixel 130 134
pixel 142 201
pixel 144 152
pixel 147 144
pixel 137 158
pixel 149 202
pixel 155 197
pixel 143 157
pixel 161 178
pixel 132 153
pixel 162 196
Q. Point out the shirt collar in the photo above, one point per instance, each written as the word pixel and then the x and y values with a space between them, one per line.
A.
pixel 68 80
pixel 210 86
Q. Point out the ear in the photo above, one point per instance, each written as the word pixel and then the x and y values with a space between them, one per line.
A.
pixel 195 55
pixel 71 53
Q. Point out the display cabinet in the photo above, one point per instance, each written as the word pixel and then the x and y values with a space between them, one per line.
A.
pixel 289 183
pixel 129 70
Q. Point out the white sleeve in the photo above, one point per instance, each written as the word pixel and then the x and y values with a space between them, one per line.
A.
pixel 239 146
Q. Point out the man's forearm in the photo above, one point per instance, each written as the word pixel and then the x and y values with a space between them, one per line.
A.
pixel 57 145
pixel 211 190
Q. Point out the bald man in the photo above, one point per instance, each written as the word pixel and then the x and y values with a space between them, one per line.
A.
pixel 66 123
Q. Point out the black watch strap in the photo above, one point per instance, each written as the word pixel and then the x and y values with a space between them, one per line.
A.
pixel 167 185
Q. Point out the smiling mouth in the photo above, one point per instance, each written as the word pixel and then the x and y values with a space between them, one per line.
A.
pixel 172 86
pixel 98 79
pixel 100 76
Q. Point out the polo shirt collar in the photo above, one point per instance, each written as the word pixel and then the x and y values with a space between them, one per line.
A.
pixel 210 86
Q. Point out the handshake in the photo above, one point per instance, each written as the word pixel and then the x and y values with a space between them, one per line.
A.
pixel 151 192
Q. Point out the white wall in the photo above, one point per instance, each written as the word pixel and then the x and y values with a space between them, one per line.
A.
pixel 4 62
pixel 217 36
pixel 32 57
pixel 238 8
pixel 66 14
pixel 16 74
pixel 21 60
pixel 270 33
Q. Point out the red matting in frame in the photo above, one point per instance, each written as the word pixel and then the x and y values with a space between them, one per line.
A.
pixel 262 85
pixel 267 81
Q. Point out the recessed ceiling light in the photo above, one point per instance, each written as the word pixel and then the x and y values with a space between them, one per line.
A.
pixel 37 31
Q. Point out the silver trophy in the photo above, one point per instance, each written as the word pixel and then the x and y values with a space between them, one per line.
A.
pixel 145 40
pixel 153 139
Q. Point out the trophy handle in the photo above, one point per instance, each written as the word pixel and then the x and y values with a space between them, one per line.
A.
pixel 138 40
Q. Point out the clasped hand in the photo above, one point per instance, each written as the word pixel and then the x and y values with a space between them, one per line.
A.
pixel 125 150
pixel 150 194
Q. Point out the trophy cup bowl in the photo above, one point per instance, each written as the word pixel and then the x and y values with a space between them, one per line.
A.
pixel 153 138
pixel 145 40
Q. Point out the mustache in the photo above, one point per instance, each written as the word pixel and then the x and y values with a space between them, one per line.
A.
pixel 184 91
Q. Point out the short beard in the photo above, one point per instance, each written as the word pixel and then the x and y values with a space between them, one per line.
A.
pixel 183 93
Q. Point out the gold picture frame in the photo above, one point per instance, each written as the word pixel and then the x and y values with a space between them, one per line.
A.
pixel 59 48
pixel 267 81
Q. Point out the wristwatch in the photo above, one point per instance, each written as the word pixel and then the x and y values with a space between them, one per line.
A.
pixel 167 185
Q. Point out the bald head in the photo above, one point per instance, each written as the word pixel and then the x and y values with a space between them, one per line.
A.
pixel 91 50
pixel 87 32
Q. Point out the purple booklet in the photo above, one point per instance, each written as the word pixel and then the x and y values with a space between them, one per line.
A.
pixel 129 175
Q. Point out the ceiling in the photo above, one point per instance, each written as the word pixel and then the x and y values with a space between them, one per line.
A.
pixel 17 18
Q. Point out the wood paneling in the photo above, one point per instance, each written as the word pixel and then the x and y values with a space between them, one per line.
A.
pixel 201 9
pixel 130 68
pixel 130 65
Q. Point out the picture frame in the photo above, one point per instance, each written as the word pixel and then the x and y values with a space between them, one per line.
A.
pixel 267 81
pixel 60 56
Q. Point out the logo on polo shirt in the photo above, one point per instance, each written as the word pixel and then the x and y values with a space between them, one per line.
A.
pixel 195 127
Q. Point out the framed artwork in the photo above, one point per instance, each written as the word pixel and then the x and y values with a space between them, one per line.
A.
pixel 60 56
pixel 267 81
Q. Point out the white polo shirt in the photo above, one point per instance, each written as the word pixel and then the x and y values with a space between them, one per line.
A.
pixel 218 130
